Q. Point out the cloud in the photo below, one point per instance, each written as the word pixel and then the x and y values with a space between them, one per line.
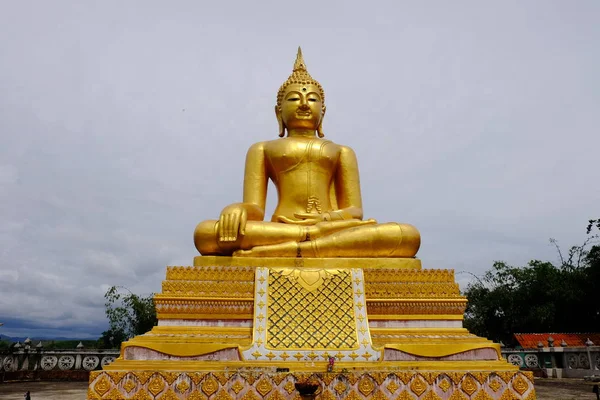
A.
pixel 124 125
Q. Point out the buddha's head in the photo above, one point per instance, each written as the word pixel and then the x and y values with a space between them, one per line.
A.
pixel 300 101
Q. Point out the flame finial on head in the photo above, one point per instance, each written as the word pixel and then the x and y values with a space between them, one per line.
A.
pixel 299 75
pixel 299 64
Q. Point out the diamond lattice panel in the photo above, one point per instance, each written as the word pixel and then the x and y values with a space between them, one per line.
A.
pixel 321 319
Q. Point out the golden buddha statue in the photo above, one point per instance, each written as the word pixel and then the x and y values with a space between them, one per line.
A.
pixel 319 211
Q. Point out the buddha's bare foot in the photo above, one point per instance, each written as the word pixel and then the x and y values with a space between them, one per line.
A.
pixel 287 249
pixel 328 227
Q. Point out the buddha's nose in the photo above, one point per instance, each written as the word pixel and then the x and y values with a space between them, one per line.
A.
pixel 304 107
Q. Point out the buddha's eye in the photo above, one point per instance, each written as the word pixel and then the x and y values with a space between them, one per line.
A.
pixel 294 99
pixel 312 100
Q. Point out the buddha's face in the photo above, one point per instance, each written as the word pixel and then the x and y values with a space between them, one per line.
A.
pixel 301 107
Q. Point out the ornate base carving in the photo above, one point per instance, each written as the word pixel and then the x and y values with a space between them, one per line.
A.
pixel 218 335
pixel 256 385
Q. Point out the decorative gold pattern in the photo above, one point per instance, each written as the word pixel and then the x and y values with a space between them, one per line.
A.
pixel 156 385
pixel 264 386
pixel 366 385
pixel 445 384
pixel 208 289
pixel 468 385
pixel 355 385
pixel 216 274
pixel 520 384
pixel 318 319
pixel 209 385
pixel 237 387
pixel 392 386
pixel 102 385
pixel 129 385
pixel 183 386
pixel 418 385
pixel 495 384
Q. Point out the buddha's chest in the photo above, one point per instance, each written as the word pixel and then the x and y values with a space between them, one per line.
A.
pixel 288 155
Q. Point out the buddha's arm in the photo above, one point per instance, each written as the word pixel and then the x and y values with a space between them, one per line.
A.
pixel 234 217
pixel 347 187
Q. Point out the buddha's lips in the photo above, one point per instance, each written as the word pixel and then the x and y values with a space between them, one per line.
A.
pixel 303 113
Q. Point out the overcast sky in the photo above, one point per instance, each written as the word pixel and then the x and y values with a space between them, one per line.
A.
pixel 123 124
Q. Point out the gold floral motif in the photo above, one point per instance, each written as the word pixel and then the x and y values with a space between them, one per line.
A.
pixel 509 395
pixel 278 378
pixel 129 385
pixel 143 376
pixel 116 376
pixel 263 386
pixel 416 306
pixel 237 386
pixel 482 395
pixel 455 376
pixel 352 396
pixel 169 395
pixel 326 395
pixel 468 384
pixel 114 394
pixel 196 395
pixel 91 395
pixel 211 273
pixel 379 377
pixel 366 385
pixel 404 395
pixel 379 395
pixel 183 385
pixel 102 385
pixel 405 377
pixel 142 395
pixel 506 375
pixel 352 378
pixel 458 395
pixel 531 395
pixel 480 376
pixel 392 386
pixel 250 395
pixel 495 384
pixel 289 387
pixel 196 377
pixel 520 384
pixel 223 395
pixel 208 289
pixel 209 385
pixel 340 387
pixel 445 384
pixel 328 378
pixel 386 275
pixel 276 395
pixel 418 385
pixel 221 377
pixel 156 385
pixel 412 290
pixel 431 396
pixel 250 378
pixel 170 377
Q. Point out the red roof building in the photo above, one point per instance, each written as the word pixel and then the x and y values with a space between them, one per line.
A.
pixel 531 340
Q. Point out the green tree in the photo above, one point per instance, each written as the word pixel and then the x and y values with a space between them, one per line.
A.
pixel 539 297
pixel 128 315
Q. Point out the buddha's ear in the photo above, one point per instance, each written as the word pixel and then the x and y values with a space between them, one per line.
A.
pixel 280 122
pixel 320 127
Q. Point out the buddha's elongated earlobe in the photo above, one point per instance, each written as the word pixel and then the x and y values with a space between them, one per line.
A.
pixel 280 122
pixel 320 127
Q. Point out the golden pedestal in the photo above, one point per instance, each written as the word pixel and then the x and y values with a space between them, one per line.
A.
pixel 228 326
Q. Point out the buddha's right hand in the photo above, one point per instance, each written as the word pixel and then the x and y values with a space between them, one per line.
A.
pixel 232 222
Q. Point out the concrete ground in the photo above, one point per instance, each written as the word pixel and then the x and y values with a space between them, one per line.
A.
pixel 547 389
